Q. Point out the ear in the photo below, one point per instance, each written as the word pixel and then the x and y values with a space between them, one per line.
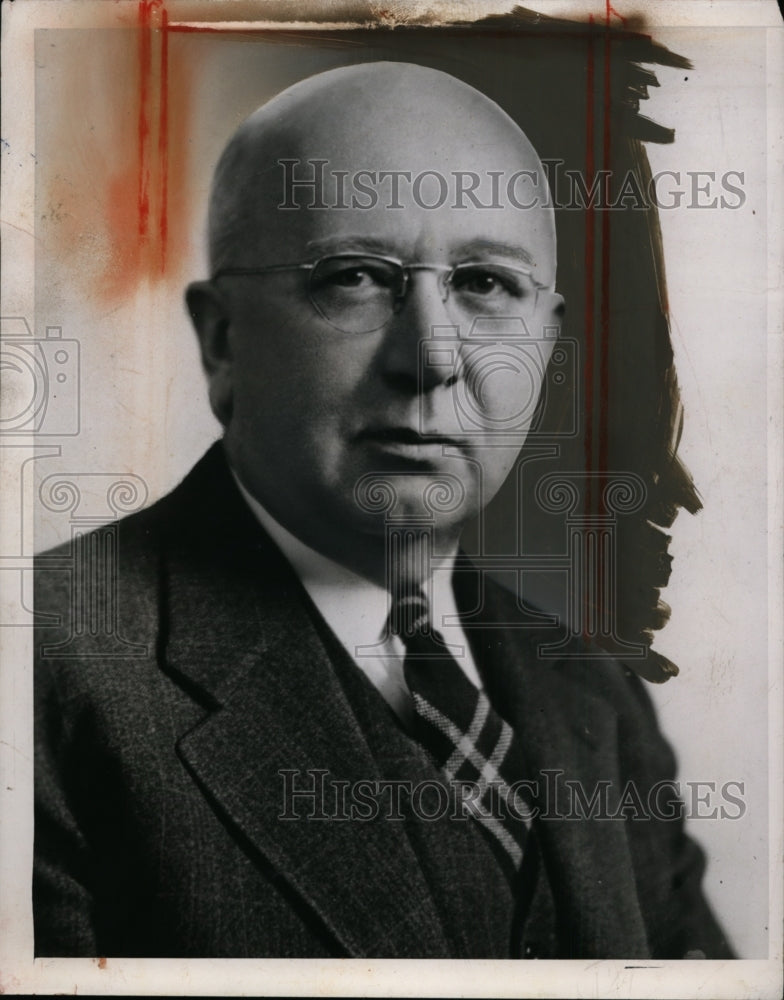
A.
pixel 210 317
pixel 558 305
pixel 551 318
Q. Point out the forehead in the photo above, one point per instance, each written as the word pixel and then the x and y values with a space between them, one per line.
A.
pixel 421 227
pixel 422 175
pixel 416 211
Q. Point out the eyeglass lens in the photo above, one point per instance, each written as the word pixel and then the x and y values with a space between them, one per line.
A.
pixel 359 294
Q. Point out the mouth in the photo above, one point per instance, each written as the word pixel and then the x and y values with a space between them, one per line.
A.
pixel 407 440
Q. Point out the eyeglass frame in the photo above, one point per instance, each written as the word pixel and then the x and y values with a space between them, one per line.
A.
pixel 405 269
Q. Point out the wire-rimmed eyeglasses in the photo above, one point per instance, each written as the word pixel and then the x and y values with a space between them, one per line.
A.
pixel 360 292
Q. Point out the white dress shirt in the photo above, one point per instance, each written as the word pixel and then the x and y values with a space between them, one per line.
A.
pixel 357 612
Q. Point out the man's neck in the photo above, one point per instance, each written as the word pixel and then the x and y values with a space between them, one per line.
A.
pixel 402 556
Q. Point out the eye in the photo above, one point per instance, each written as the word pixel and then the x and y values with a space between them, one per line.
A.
pixel 489 281
pixel 349 277
pixel 352 274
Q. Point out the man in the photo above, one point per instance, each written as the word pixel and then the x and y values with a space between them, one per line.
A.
pixel 322 680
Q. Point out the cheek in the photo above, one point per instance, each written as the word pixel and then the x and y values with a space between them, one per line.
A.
pixel 292 376
pixel 502 384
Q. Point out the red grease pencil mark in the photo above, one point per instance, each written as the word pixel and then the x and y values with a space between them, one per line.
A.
pixel 138 211
pixel 605 325
pixel 153 114
pixel 597 383
pixel 604 315
pixel 163 143
pixel 604 363
pixel 143 127
pixel 610 11
pixel 586 612
pixel 590 254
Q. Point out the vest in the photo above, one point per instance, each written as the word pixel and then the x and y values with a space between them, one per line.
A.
pixel 482 915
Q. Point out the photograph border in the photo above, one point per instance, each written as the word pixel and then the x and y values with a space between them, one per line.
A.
pixel 19 972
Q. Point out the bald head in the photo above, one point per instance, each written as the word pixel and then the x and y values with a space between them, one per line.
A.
pixel 330 151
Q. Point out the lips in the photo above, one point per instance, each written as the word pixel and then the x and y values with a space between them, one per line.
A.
pixel 408 436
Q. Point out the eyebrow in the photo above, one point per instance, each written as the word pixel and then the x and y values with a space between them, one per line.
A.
pixel 498 248
pixel 472 249
pixel 347 243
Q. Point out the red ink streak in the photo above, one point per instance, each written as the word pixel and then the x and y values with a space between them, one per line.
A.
pixel 604 312
pixel 604 371
pixel 610 10
pixel 590 252
pixel 163 141
pixel 145 45
pixel 144 223
pixel 153 161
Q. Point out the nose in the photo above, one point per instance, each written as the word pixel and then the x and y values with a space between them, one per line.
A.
pixel 403 351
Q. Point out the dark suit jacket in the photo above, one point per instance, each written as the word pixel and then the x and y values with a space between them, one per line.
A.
pixel 162 731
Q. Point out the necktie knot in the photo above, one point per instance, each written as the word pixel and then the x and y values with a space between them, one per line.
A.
pixel 410 616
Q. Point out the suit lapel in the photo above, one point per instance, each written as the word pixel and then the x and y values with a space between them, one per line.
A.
pixel 567 732
pixel 240 638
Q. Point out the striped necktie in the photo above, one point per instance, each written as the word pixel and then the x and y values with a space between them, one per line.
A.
pixel 467 739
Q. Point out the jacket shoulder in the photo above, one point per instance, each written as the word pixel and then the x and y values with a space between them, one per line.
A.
pixel 583 670
pixel 98 592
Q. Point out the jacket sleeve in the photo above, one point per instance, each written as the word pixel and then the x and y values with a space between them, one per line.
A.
pixel 63 899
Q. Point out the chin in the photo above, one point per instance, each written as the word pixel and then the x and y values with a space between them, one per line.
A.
pixel 440 505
